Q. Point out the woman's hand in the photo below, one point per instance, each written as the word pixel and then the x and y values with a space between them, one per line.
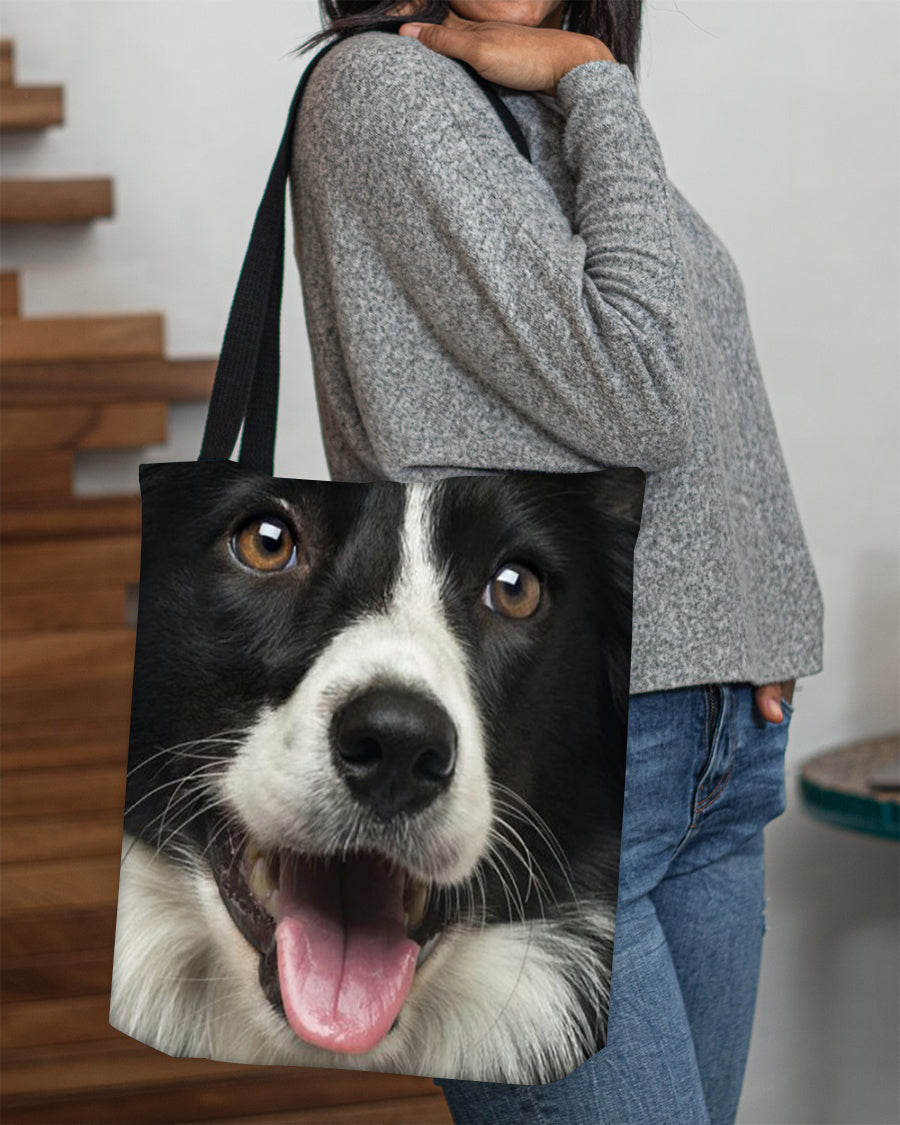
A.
pixel 768 699
pixel 522 58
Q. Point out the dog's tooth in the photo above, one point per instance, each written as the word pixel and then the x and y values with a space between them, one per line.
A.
pixel 273 906
pixel 414 900
pixel 252 854
pixel 259 882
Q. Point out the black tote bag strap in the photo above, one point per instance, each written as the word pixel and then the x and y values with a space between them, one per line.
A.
pixel 505 114
pixel 250 355
pixel 245 391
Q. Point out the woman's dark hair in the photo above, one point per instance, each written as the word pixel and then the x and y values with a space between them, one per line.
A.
pixel 616 22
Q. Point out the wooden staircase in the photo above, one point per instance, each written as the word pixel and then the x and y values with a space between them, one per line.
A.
pixel 69 569
pixel 30 108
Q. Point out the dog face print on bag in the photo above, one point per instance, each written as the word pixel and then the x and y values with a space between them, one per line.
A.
pixel 376 770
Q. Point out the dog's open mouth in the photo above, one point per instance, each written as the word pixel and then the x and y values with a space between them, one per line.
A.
pixel 340 938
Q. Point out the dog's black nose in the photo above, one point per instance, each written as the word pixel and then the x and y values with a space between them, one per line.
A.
pixel 396 750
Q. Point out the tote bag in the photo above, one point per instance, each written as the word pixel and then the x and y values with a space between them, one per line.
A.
pixel 377 747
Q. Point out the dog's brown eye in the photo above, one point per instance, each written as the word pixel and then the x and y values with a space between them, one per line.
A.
pixel 514 591
pixel 265 543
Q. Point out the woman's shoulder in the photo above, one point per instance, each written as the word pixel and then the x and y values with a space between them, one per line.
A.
pixel 360 61
pixel 377 78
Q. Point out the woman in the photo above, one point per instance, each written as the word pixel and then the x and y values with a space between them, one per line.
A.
pixel 469 311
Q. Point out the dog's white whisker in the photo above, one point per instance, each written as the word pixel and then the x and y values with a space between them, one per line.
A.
pixel 176 781
pixel 146 796
pixel 229 822
pixel 179 748
pixel 177 805
pixel 189 782
pixel 530 816
pixel 490 860
pixel 479 878
pixel 536 875
pixel 179 829
pixel 524 856
pixel 496 855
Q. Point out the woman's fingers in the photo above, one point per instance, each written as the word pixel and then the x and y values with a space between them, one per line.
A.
pixel 452 38
pixel 523 58
pixel 768 699
pixel 768 702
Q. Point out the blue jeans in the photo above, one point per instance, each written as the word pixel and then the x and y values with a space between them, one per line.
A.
pixel 704 774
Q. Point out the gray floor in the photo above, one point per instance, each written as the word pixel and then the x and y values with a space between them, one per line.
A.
pixel 825 1044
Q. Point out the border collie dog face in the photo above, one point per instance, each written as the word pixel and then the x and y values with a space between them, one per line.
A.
pixel 376 770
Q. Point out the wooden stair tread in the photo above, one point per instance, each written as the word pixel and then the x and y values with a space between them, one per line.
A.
pixel 87 832
pixel 43 732
pixel 124 1062
pixel 38 977
pixel 46 660
pixel 67 674
pixel 32 611
pixel 9 293
pixel 73 518
pixel 89 562
pixel 429 1109
pixel 30 107
pixel 92 744
pixel 50 932
pixel 120 1062
pixel 55 201
pixel 30 477
pixel 106 698
pixel 30 793
pixel 75 339
pixel 114 425
pixel 74 1019
pixel 184 380
pixel 57 884
pixel 192 1105
pixel 6 62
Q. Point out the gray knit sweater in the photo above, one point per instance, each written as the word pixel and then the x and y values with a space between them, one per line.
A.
pixel 469 311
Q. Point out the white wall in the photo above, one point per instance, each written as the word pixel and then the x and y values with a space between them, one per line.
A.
pixel 778 119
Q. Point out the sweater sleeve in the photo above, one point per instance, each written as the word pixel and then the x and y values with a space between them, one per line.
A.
pixel 581 329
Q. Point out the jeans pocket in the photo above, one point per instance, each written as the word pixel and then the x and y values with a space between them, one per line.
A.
pixel 787 713
pixel 770 754
pixel 758 783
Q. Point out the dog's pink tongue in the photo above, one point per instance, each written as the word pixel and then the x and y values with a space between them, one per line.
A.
pixel 345 963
